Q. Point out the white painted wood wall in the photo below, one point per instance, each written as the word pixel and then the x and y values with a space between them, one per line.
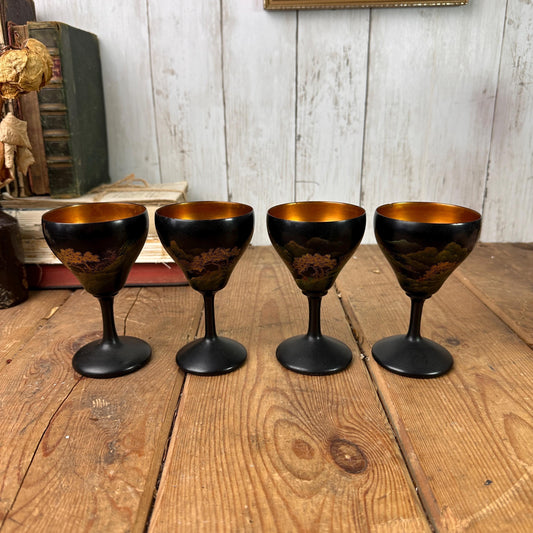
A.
pixel 366 106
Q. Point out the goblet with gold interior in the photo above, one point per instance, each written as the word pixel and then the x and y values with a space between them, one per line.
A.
pixel 207 239
pixel 99 243
pixel 315 240
pixel 424 242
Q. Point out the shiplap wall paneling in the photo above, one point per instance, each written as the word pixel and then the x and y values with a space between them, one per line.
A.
pixel 432 83
pixel 330 107
pixel 188 95
pixel 122 30
pixel 259 80
pixel 508 213
pixel 430 113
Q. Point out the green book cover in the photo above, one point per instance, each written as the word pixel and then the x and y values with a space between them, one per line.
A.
pixel 72 110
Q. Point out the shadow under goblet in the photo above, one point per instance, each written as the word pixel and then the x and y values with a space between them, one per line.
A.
pixel 207 239
pixel 424 242
pixel 315 240
pixel 99 243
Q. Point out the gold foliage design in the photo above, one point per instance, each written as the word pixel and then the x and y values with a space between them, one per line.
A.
pixel 206 270
pixel 423 271
pixel 87 261
pixel 313 271
pixel 215 258
pixel 314 266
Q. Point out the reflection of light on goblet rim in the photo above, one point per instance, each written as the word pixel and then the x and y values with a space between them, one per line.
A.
pixel 207 210
pixel 94 213
pixel 316 211
pixel 428 213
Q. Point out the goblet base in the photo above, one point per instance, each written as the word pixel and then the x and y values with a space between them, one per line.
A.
pixel 316 356
pixel 103 359
pixel 415 358
pixel 211 356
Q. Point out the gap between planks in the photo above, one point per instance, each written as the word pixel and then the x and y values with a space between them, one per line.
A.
pixel 35 451
pixel 429 505
pixel 186 379
pixel 253 433
pixel 164 457
pixel 20 348
pixel 439 517
pixel 495 309
pixel 123 317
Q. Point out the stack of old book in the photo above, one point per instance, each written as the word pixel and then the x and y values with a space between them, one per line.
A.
pixel 67 131
pixel 153 266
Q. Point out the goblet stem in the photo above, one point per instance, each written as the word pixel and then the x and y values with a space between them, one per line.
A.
pixel 110 332
pixel 209 307
pixel 314 316
pixel 211 354
pixel 113 355
pixel 314 353
pixel 413 355
pixel 416 316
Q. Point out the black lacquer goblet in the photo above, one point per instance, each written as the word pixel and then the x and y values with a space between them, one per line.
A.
pixel 206 239
pixel 99 243
pixel 315 240
pixel 424 242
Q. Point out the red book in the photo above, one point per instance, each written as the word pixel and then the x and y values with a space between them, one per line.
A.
pixel 56 276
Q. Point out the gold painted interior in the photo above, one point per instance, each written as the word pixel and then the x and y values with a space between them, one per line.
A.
pixel 95 212
pixel 204 210
pixel 428 212
pixel 316 211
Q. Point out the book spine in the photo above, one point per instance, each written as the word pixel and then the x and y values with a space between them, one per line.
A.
pixel 54 117
pixel 17 12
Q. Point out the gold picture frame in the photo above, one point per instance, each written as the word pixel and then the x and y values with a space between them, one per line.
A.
pixel 341 4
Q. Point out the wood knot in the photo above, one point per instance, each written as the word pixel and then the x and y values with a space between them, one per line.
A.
pixel 348 456
pixel 452 341
pixel 302 449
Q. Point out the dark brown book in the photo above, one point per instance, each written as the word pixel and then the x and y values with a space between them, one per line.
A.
pixel 17 12
pixel 72 110
pixel 38 172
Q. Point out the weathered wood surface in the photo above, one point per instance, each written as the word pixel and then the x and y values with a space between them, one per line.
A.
pixel 508 205
pixel 430 68
pixel 19 323
pixel 258 59
pixel 188 95
pixel 265 449
pixel 330 107
pixel 467 437
pixel 368 105
pixel 94 461
pixel 34 385
pixel 501 275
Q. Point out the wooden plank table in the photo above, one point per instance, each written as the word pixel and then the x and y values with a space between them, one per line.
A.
pixel 262 448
